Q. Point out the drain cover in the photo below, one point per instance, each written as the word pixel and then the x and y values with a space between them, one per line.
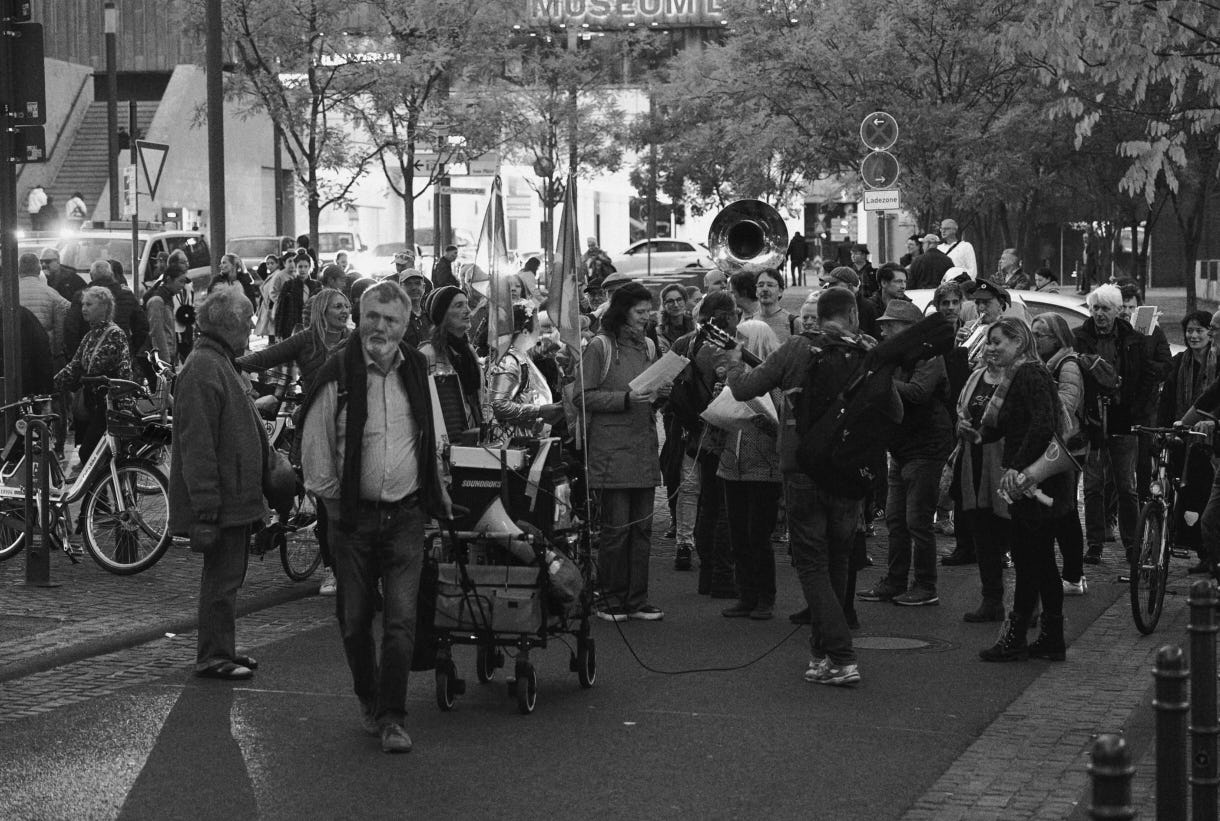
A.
pixel 890 643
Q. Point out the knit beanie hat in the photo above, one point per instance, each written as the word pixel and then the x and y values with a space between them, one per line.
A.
pixel 436 304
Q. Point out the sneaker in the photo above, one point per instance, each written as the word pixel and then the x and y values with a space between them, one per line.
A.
pixel 738 610
pixel 1093 555
pixel 879 592
pixel 647 613
pixel 817 668
pixel 838 675
pixel 394 738
pixel 764 612
pixel 944 527
pixel 1075 588
pixel 329 585
pixel 612 614
pixel 368 719
pixel 917 598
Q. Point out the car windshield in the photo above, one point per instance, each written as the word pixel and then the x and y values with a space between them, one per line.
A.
pixel 330 242
pixel 80 252
pixel 255 247
pixel 388 249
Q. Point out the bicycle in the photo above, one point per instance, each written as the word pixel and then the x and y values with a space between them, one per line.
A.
pixel 123 496
pixel 1156 526
pixel 298 556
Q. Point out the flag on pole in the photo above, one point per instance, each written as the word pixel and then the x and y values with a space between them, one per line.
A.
pixel 493 267
pixel 568 274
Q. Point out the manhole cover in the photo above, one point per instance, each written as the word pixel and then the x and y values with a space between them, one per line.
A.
pixel 890 643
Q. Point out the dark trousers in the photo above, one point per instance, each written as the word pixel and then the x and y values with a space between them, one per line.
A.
pixel 94 426
pixel 1209 523
pixel 821 532
pixel 914 487
pixel 1066 531
pixel 752 509
pixel 224 569
pixel 386 544
pixel 322 531
pixel 712 542
pixel 989 533
pixel 1119 454
pixel 1033 558
pixel 625 545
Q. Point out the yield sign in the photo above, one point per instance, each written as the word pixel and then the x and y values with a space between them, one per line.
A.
pixel 152 160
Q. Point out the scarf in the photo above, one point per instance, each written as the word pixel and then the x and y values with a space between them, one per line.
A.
pixel 465 363
pixel 1192 379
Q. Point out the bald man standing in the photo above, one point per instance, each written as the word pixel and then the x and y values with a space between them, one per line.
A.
pixel 959 250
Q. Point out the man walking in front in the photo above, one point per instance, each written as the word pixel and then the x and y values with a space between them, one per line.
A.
pixel 821 525
pixel 369 454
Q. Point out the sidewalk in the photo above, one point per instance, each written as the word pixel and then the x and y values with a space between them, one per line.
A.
pixel 94 612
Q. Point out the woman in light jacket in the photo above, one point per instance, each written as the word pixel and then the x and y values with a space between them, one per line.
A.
pixel 749 466
pixel 623 466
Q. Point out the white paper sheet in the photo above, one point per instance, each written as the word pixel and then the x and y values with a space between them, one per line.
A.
pixel 659 373
pixel 727 413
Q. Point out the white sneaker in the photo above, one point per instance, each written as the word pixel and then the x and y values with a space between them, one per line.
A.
pixel 1075 588
pixel 329 585
pixel 817 668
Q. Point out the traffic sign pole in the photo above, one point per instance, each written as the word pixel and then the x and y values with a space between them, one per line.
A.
pixel 10 298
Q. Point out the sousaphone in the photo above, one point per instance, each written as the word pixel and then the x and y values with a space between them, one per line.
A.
pixel 747 235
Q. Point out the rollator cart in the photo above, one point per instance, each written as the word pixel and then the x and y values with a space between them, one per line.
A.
pixel 513 568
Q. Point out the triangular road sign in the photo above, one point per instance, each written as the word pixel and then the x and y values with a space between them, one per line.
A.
pixel 152 160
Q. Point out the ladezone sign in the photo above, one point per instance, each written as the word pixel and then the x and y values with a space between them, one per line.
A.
pixel 622 13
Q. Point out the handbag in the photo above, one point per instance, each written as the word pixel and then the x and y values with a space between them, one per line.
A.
pixel 280 482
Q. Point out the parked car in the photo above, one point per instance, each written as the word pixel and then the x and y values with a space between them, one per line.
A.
pixel 332 242
pixel 661 255
pixel 110 240
pixel 253 250
pixel 380 260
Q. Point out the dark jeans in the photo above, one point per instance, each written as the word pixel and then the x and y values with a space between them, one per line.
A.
pixel 1119 453
pixel 712 542
pixel 821 532
pixel 322 531
pixel 1033 557
pixel 752 509
pixel 914 488
pixel 989 533
pixel 94 426
pixel 1066 530
pixel 224 569
pixel 387 543
pixel 625 545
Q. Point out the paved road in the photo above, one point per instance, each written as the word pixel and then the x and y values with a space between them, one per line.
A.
pixel 931 733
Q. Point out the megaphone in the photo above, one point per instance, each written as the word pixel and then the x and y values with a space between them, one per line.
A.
pixel 1055 460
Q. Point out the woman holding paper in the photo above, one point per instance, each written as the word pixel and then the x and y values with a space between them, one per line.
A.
pixel 623 467
pixel 749 466
pixel 520 397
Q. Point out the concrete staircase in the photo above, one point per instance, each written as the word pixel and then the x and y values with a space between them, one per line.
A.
pixel 85 168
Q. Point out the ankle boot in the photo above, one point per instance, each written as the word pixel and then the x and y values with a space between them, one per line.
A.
pixel 1049 644
pixel 1010 646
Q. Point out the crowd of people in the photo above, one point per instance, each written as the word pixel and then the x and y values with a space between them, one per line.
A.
pixel 375 356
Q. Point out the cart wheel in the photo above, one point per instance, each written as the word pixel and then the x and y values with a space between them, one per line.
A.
pixel 586 663
pixel 485 663
pixel 527 688
pixel 446 686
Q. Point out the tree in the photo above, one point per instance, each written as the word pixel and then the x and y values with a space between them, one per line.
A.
pixel 1157 63
pixel 295 62
pixel 439 95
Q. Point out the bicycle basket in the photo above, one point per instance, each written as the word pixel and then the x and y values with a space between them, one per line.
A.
pixel 123 424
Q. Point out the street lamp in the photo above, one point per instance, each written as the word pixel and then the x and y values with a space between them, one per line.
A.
pixel 544 167
pixel 110 18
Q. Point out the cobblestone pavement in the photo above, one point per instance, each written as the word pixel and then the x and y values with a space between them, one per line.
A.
pixel 91 678
pixel 94 611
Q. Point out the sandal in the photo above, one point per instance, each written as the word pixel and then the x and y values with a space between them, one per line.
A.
pixel 246 661
pixel 226 670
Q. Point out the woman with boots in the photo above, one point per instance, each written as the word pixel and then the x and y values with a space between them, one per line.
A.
pixel 1024 411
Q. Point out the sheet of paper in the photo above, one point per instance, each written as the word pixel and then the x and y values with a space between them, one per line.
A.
pixel 727 413
pixel 1144 319
pixel 659 373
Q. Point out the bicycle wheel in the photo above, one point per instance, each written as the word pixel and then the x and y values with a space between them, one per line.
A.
pixel 12 527
pixel 126 525
pixel 299 551
pixel 1149 567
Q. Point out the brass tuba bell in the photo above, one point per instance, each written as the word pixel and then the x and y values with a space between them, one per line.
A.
pixel 747 235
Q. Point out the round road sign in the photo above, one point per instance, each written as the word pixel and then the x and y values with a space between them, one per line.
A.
pixel 879 170
pixel 879 131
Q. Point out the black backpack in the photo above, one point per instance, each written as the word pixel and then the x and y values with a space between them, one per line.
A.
pixel 847 415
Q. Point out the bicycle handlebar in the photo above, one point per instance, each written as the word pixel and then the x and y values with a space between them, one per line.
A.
pixel 1175 431
pixel 121 386
pixel 26 400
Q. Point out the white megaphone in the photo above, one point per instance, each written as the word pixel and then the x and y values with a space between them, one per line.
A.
pixel 1057 459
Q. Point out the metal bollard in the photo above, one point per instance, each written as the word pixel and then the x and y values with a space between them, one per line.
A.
pixel 1203 729
pixel 37 554
pixel 1171 704
pixel 1111 770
